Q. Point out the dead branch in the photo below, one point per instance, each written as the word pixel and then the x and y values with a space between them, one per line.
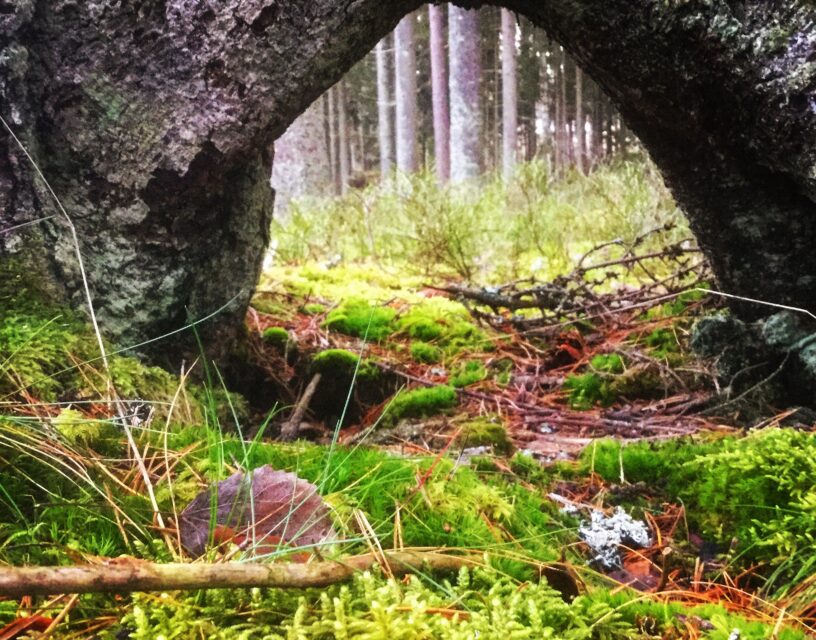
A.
pixel 290 428
pixel 129 574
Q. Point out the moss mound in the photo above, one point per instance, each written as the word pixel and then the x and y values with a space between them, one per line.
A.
pixel 419 403
pixel 360 318
pixel 485 432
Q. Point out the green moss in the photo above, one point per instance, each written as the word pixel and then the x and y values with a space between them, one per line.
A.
pixel 314 308
pixel 277 337
pixel 272 307
pixel 587 390
pixel 662 343
pixel 757 489
pixel 340 363
pixel 485 432
pixel 446 324
pixel 419 403
pixel 101 435
pixel 357 317
pixel 470 372
pixel 608 363
pixel 425 353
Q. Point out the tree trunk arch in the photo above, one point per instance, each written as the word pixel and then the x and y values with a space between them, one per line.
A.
pixel 154 123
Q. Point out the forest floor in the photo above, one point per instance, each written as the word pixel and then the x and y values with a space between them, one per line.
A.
pixel 555 443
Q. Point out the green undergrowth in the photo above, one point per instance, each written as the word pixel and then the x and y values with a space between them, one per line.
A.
pixel 492 231
pixel 479 603
pixel 757 491
pixel 49 353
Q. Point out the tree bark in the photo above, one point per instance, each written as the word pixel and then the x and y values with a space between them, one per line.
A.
pixel 384 105
pixel 406 93
pixel 159 141
pixel 464 83
pixel 439 90
pixel 509 94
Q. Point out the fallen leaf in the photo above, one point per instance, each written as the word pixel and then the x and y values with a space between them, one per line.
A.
pixel 256 510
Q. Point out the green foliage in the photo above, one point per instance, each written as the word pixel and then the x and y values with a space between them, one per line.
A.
pixel 313 308
pixel 99 435
pixel 371 607
pixel 469 373
pixel 597 385
pixel 499 230
pixel 662 343
pixel 485 431
pixel 419 403
pixel 425 353
pixel 357 317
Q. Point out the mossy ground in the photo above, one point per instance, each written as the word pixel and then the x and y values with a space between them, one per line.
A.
pixel 373 332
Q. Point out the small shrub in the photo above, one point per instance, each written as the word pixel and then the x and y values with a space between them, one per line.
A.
pixel 420 403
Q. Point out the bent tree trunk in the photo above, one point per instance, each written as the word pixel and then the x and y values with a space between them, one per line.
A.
pixel 153 121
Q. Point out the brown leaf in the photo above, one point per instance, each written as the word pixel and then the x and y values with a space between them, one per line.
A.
pixel 264 507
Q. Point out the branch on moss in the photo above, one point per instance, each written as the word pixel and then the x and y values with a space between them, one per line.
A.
pixel 129 574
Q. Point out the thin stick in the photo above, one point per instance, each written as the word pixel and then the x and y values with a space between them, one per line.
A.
pixel 290 428
pixel 137 575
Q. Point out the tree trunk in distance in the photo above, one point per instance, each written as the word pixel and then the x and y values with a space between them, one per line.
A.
pixel 342 137
pixel 509 94
pixel 439 91
pixel 580 121
pixel 406 94
pixel 464 82
pixel 301 159
pixel 384 133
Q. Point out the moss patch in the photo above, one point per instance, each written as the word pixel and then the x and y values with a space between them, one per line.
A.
pixel 485 432
pixel 419 403
pixel 340 363
pixel 470 372
pixel 425 353
pixel 359 318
